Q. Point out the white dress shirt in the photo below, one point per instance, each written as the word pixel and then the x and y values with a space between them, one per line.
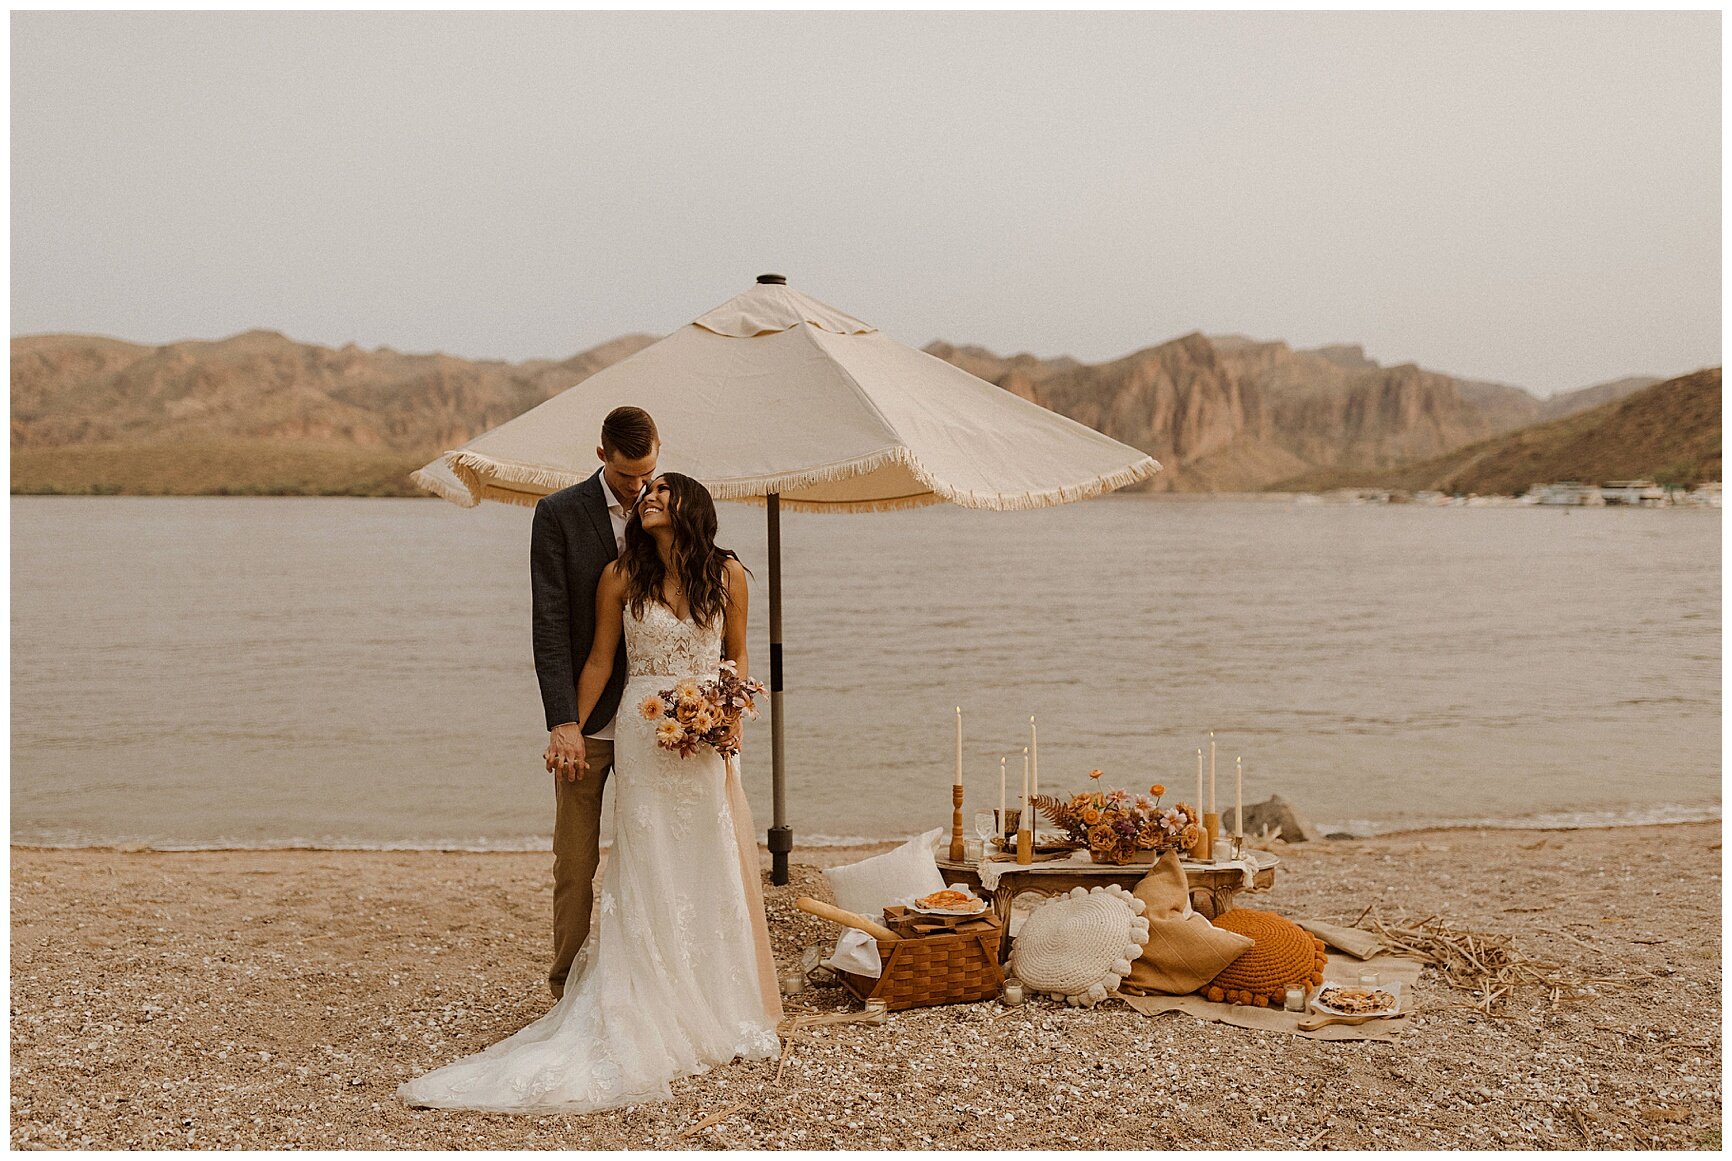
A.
pixel 616 514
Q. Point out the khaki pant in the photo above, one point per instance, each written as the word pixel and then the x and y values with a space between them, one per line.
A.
pixel 576 853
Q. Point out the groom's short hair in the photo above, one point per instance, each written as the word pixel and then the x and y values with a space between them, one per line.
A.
pixel 629 432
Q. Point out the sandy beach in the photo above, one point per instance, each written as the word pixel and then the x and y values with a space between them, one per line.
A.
pixel 275 999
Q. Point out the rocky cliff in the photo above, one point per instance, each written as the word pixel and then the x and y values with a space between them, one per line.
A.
pixel 1668 432
pixel 1228 413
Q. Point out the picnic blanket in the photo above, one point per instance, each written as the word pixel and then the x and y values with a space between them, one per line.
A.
pixel 1392 969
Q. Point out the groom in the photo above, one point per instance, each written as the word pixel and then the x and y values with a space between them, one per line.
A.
pixel 577 531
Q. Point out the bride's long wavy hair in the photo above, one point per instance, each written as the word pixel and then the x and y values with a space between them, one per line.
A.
pixel 700 565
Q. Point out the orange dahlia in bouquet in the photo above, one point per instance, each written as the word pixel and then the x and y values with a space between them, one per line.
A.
pixel 1115 824
pixel 695 713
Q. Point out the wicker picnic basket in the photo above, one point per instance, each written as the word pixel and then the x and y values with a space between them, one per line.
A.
pixel 956 967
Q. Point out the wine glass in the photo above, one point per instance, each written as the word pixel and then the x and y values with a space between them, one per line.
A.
pixel 985 825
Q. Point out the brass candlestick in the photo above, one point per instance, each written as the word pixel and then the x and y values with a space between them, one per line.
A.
pixel 1201 852
pixel 958 849
pixel 1211 831
pixel 1024 846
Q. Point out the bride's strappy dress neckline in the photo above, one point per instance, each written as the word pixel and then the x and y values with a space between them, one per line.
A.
pixel 676 976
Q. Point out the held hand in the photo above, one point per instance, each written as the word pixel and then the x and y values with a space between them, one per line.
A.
pixel 565 755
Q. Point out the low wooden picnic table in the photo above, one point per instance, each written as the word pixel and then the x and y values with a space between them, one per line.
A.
pixel 1212 885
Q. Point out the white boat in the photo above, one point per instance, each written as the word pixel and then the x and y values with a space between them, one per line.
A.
pixel 1565 493
pixel 1634 493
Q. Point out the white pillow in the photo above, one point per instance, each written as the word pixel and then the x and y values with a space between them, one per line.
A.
pixel 1079 947
pixel 869 886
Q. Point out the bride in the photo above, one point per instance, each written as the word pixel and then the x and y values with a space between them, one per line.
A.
pixel 677 975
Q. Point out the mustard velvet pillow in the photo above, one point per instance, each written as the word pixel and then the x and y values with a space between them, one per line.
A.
pixel 1184 951
pixel 1165 890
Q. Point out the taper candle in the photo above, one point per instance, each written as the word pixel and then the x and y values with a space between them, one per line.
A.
pixel 1025 820
pixel 1212 809
pixel 1239 800
pixel 959 745
pixel 1002 804
pixel 1034 756
pixel 1199 780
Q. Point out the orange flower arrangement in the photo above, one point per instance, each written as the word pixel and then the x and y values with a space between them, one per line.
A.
pixel 1114 826
pixel 695 713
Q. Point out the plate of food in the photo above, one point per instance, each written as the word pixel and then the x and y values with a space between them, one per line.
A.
pixel 950 901
pixel 1045 842
pixel 1341 998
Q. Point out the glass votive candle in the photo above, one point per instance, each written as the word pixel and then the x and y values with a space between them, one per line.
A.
pixel 793 981
pixel 1295 1000
pixel 877 1011
pixel 1012 994
pixel 1370 978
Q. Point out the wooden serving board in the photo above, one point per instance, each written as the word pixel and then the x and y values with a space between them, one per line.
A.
pixel 913 924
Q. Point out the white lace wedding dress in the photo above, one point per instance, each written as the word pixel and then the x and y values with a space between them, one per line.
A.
pixel 676 975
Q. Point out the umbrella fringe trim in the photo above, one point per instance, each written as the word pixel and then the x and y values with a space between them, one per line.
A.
pixel 475 471
pixel 459 496
pixel 478 471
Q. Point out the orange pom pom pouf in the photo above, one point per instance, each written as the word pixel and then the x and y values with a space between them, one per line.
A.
pixel 1284 956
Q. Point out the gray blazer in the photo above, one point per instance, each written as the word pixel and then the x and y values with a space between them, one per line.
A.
pixel 570 543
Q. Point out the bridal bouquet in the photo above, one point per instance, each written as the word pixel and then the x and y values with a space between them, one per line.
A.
pixel 1115 825
pixel 694 713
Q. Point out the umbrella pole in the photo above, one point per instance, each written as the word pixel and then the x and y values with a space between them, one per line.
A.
pixel 781 838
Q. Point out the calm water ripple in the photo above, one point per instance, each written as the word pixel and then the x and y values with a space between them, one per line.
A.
pixel 195 672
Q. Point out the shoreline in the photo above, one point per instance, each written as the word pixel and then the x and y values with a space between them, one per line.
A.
pixel 274 999
pixel 819 849
pixel 1331 496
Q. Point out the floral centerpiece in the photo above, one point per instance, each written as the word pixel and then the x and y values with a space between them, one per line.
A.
pixel 1119 827
pixel 695 713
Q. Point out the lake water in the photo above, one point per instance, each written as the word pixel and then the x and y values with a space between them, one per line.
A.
pixel 346 672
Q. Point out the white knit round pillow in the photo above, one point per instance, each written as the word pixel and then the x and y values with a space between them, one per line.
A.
pixel 1078 947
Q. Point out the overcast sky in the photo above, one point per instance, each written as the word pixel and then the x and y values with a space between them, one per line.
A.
pixel 1532 198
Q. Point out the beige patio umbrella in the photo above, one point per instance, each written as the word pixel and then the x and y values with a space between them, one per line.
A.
pixel 774 396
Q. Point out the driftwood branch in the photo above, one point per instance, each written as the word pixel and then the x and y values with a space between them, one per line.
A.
pixel 1487 965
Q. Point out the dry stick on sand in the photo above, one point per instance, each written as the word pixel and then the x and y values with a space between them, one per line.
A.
pixel 714 1119
pixel 717 1118
pixel 787 1051
pixel 1581 1125
pixel 790 1030
pixel 1486 965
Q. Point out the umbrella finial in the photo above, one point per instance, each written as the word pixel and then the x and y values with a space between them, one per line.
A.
pixel 772 280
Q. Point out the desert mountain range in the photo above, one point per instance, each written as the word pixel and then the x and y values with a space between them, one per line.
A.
pixel 260 413
pixel 1229 414
pixel 1669 433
